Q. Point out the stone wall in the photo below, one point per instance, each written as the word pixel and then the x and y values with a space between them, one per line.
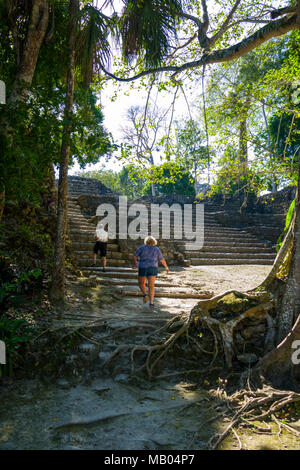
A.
pixel 78 185
pixel 264 226
pixel 272 203
pixel 263 216
pixel 230 202
pixel 276 203
pixel 166 199
pixel 90 202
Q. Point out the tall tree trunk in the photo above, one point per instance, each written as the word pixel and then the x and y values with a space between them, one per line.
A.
pixel 26 65
pixel 38 23
pixel 282 253
pixel 58 275
pixel 243 150
pixel 290 307
pixel 153 188
pixel 274 182
pixel 278 364
pixel 2 202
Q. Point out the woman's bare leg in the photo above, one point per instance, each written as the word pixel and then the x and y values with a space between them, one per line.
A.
pixel 151 286
pixel 142 284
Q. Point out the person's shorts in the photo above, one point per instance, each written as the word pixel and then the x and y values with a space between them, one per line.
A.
pixel 102 247
pixel 147 272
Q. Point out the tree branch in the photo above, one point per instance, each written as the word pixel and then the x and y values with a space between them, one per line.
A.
pixel 282 11
pixel 191 39
pixel 202 27
pixel 205 23
pixel 225 25
pixel 193 18
pixel 273 29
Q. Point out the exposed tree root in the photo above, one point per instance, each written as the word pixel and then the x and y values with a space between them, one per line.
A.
pixel 249 406
pixel 286 426
pixel 200 318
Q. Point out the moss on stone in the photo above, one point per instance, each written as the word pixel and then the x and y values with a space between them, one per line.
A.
pixel 232 303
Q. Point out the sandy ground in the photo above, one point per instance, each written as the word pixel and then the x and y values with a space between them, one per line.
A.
pixel 218 278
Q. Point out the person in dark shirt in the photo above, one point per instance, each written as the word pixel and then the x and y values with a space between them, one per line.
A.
pixel 101 237
pixel 149 255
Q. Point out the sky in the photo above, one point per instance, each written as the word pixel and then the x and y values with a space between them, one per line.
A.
pixel 115 116
pixel 115 112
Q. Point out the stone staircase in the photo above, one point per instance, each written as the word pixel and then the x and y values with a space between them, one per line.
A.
pixel 223 245
pixel 120 271
pixel 230 245
pixel 78 185
pixel 82 234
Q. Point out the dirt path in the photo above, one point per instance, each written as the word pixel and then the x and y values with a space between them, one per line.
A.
pixel 107 407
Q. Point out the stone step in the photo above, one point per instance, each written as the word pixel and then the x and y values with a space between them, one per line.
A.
pixel 122 270
pixel 86 262
pixel 210 251
pixel 111 274
pixel 231 238
pixel 85 246
pixel 114 281
pixel 76 214
pixel 174 293
pixel 81 227
pixel 78 192
pixel 85 237
pixel 232 255
pixel 110 254
pixel 229 261
pixel 207 224
pixel 80 219
pixel 91 188
pixel 87 187
pixel 224 244
pixel 74 209
pixel 194 216
pixel 207 233
pixel 208 239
